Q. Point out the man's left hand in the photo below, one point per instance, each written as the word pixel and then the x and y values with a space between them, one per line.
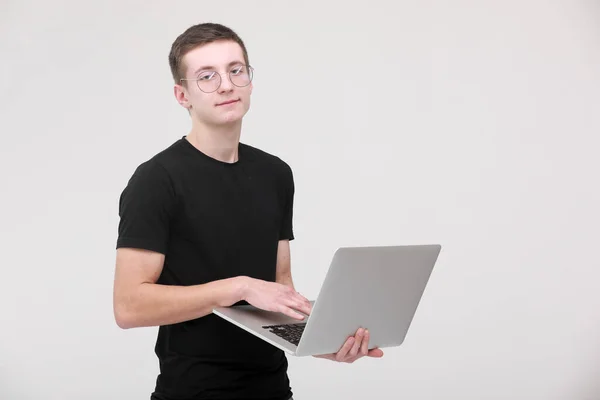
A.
pixel 356 347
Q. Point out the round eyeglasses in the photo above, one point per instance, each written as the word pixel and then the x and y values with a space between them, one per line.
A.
pixel 209 81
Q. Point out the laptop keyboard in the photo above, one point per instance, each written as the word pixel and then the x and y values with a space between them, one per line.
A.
pixel 289 332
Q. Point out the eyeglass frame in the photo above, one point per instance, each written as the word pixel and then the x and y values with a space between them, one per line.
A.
pixel 248 67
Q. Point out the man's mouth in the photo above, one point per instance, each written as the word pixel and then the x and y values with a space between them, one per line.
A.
pixel 228 102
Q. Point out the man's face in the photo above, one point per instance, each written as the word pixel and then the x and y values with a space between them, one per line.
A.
pixel 230 102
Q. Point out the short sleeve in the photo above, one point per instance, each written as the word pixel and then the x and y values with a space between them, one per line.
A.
pixel 287 230
pixel 146 208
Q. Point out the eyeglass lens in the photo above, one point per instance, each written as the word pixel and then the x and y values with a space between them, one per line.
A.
pixel 209 81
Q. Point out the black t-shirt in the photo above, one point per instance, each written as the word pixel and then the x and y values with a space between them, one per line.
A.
pixel 212 220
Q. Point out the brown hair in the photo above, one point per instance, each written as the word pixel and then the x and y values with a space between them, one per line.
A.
pixel 195 36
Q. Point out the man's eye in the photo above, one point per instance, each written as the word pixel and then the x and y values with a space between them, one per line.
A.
pixel 206 76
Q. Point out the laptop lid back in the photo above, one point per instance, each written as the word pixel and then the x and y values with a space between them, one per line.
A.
pixel 378 288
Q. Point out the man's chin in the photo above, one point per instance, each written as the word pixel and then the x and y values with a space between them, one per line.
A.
pixel 222 120
pixel 226 122
pixel 230 118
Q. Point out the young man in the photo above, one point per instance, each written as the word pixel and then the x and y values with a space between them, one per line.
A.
pixel 205 223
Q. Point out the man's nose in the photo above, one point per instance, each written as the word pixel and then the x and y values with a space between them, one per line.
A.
pixel 226 85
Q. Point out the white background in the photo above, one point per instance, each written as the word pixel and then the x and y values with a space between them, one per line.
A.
pixel 473 124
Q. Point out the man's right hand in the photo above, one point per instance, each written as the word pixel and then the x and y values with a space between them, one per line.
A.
pixel 272 296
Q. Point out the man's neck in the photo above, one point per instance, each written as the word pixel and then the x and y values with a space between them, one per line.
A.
pixel 218 142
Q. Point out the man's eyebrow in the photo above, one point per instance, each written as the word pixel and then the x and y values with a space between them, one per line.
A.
pixel 213 68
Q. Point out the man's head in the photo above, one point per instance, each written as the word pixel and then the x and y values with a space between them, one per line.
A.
pixel 212 73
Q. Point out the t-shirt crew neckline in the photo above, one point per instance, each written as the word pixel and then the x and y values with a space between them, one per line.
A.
pixel 209 158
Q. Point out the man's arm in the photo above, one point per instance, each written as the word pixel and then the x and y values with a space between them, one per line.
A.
pixel 284 265
pixel 138 301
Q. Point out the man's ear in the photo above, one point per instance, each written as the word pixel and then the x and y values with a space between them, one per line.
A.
pixel 181 96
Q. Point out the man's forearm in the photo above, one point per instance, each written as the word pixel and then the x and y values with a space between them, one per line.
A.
pixel 286 279
pixel 154 304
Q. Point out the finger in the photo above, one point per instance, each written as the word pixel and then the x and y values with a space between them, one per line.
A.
pixel 305 307
pixel 343 352
pixel 357 343
pixel 304 304
pixel 299 304
pixel 290 312
pixel 377 353
pixel 364 347
pixel 325 356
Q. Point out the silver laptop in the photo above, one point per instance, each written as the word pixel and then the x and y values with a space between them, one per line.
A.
pixel 378 288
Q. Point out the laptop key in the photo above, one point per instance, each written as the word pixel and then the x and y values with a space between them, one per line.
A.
pixel 288 332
